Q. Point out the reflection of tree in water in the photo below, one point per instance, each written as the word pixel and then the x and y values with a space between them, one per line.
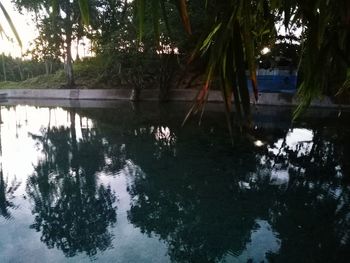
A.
pixel 204 204
pixel 7 194
pixel 196 208
pixel 174 203
pixel 205 199
pixel 312 213
pixel 6 189
pixel 162 138
pixel 71 210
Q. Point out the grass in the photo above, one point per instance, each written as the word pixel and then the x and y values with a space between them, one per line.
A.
pixel 39 82
pixel 87 75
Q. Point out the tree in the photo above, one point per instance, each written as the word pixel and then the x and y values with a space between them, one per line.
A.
pixel 65 15
pixel 46 47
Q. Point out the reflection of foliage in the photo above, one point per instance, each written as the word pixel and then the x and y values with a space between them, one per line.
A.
pixel 204 199
pixel 194 226
pixel 76 220
pixel 315 191
pixel 115 158
pixel 71 210
pixel 204 207
pixel 164 139
pixel 195 206
pixel 6 194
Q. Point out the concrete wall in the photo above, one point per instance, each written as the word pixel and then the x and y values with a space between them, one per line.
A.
pixel 77 96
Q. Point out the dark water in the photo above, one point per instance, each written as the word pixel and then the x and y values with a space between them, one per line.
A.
pixel 128 184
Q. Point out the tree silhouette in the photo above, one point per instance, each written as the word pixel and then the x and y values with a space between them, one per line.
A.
pixel 7 194
pixel 204 199
pixel 72 211
pixel 204 207
pixel 6 190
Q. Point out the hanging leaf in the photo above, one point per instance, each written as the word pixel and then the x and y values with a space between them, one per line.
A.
pixel 182 7
pixel 209 38
pixel 84 11
pixel 249 48
pixel 12 26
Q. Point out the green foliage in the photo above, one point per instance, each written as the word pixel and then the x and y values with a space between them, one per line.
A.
pixel 56 80
pixel 84 11
pixel 16 69
pixel 236 29
pixel 224 36
pixel 59 23
pixel 118 32
pixel 228 44
pixel 326 48
pixel 48 45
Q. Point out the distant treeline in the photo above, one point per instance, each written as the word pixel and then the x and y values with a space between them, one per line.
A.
pixel 17 69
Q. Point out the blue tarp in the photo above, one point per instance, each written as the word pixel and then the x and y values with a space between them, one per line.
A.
pixel 276 80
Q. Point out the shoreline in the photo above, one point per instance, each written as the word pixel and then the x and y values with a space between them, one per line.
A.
pixel 175 95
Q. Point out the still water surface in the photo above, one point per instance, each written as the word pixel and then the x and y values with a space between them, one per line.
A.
pixel 128 184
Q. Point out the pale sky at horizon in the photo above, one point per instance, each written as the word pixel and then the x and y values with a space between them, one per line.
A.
pixel 24 26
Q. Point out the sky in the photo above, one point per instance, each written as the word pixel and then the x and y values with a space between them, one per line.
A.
pixel 25 28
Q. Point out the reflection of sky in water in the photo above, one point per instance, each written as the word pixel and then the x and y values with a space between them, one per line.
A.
pixel 263 241
pixel 279 177
pixel 295 137
pixel 19 156
pixel 260 238
pixel 19 150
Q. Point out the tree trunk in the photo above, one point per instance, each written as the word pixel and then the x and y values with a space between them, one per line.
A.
pixel 74 161
pixel 77 58
pixel 46 67
pixel 20 72
pixel 3 66
pixel 69 64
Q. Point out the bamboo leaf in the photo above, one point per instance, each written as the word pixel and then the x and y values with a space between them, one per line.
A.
pixel 201 97
pixel 227 97
pixel 3 33
pixel 241 76
pixel 12 26
pixel 84 11
pixel 208 40
pixel 250 59
pixel 182 7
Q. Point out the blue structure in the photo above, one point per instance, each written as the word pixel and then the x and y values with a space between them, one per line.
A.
pixel 276 80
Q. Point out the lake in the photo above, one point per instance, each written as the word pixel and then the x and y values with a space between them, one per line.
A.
pixel 127 183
